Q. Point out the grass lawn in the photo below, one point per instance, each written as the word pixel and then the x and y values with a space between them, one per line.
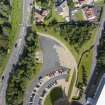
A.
pixel 16 17
pixel 86 62
pixel 56 16
pixel 53 15
pixel 99 2
pixel 54 95
pixel 79 15
pixel 87 58
pixel 72 84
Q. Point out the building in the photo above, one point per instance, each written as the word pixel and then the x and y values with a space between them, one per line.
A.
pixel 99 97
pixel 63 9
pixel 90 13
pixel 39 15
pixel 84 2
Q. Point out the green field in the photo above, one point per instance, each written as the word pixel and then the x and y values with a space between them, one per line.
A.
pixel 72 84
pixel 86 61
pixel 16 18
pixel 99 2
pixel 54 95
pixel 79 15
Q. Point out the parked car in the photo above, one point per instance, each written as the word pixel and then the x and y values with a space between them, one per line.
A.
pixel 43 93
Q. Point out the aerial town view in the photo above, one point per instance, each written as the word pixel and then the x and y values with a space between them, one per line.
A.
pixel 52 52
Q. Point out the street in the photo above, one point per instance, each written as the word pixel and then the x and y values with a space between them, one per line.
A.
pixel 93 70
pixel 16 51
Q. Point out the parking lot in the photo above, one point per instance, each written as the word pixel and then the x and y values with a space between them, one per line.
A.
pixel 45 85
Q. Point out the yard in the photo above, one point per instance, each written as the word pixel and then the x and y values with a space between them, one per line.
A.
pixel 86 61
pixel 99 2
pixel 72 84
pixel 16 18
pixel 79 15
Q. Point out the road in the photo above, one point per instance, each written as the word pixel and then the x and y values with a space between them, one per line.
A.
pixel 95 49
pixel 39 93
pixel 51 62
pixel 16 51
pixel 50 56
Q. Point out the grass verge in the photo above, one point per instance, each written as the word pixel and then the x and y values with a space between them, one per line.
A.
pixel 86 61
pixel 72 84
pixel 16 17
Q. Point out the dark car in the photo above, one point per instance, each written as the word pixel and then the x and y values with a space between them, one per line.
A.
pixel 2 77
pixel 16 45
pixel 37 86
pixel 40 101
pixel 43 93
pixel 40 77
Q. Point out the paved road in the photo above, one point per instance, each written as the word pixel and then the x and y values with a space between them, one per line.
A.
pixel 95 48
pixel 50 61
pixel 50 56
pixel 72 61
pixel 16 51
pixel 39 93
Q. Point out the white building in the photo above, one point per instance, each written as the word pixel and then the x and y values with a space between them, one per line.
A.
pixel 99 98
pixel 100 93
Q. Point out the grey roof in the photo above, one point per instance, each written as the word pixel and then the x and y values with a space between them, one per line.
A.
pixel 59 9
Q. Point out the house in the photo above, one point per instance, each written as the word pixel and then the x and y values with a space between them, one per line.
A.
pixel 90 13
pixel 84 2
pixel 40 15
pixel 63 9
pixel 79 3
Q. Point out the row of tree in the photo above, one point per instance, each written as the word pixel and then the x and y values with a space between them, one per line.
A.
pixel 5 26
pixel 75 33
pixel 99 68
pixel 22 72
